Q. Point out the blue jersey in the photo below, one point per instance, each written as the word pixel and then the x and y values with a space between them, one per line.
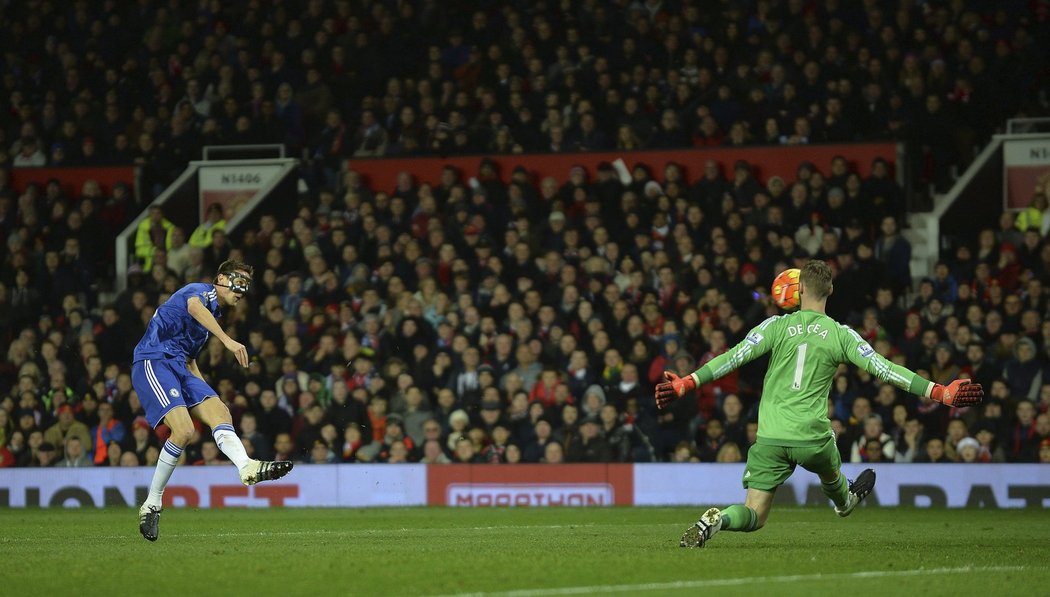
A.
pixel 173 333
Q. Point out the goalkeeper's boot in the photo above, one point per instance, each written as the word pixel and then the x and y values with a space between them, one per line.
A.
pixel 261 470
pixel 149 522
pixel 705 528
pixel 858 490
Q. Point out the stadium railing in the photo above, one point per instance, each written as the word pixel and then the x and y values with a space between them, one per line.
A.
pixel 245 185
pixel 1003 176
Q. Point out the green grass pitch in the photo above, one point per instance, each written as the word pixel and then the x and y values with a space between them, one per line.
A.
pixel 438 551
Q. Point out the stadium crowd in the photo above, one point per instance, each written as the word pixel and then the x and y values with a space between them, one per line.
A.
pixel 151 82
pixel 528 322
pixel 520 322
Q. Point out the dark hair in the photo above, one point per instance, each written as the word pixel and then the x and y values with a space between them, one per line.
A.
pixel 230 266
pixel 816 275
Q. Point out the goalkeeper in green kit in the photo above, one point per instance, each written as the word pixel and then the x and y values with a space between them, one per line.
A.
pixel 793 426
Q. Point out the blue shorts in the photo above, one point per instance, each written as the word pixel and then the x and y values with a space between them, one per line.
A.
pixel 163 384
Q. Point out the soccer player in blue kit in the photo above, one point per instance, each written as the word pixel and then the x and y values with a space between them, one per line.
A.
pixel 171 388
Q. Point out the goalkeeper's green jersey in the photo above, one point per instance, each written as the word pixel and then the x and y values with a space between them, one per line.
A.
pixel 806 349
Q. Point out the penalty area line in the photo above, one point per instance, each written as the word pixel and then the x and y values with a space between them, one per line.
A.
pixel 733 582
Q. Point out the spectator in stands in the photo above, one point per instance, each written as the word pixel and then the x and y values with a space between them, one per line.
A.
pixel 353 440
pixel 153 233
pixel 1042 426
pixel 1036 215
pixel 209 454
pixel 108 431
pixel 30 155
pixel 989 448
pixel 75 455
pixel 140 440
pixel 433 453
pixel 684 452
pixel 44 456
pixel 23 440
pixel 884 447
pixel 957 432
pixel 588 445
pixel 202 236
pixel 885 195
pixel 712 440
pixel 67 427
pixel 894 251
pixel 729 452
pixel 553 453
pixel 24 299
pixel 283 447
pixel 1022 439
pixel 320 453
pixel 465 452
pixel 370 139
pixel 969 451
pixel 934 452
pixel 534 450
pixel 910 442
pixel 1023 371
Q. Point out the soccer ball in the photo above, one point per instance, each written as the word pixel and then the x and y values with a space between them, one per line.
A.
pixel 785 289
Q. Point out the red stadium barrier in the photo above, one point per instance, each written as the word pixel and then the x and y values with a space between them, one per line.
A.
pixel 381 174
pixel 72 179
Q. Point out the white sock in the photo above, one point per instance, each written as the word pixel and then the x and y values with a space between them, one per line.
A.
pixel 230 444
pixel 169 457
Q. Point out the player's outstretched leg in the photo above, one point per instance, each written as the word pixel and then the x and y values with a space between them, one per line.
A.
pixel 747 517
pixel 702 530
pixel 858 490
pixel 261 470
pixel 252 471
pixel 213 412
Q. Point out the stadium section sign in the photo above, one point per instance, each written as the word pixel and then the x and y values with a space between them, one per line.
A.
pixel 232 186
pixel 1026 170
pixel 539 485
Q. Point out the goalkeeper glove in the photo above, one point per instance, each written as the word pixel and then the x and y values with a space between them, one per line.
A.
pixel 673 388
pixel 959 393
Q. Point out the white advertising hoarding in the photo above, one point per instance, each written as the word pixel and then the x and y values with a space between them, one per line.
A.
pixel 361 485
pixel 951 485
pixel 217 487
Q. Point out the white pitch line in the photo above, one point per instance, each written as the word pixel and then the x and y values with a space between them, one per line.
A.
pixel 734 582
pixel 351 532
pixel 346 533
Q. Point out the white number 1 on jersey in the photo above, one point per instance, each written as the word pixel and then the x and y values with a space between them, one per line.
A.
pixel 800 362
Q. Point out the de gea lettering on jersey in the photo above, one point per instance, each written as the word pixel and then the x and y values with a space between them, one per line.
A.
pixel 814 329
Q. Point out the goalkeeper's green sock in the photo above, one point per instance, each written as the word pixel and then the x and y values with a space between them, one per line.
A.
pixel 739 518
pixel 837 490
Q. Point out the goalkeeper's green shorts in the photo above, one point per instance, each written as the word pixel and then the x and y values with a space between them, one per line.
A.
pixel 769 466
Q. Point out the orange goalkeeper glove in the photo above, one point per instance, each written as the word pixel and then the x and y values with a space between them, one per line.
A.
pixel 673 388
pixel 959 393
